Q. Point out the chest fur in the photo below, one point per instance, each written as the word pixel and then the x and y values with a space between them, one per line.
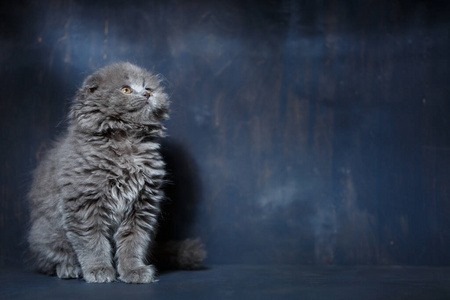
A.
pixel 135 174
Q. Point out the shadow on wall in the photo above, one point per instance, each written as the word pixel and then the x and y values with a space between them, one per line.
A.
pixel 183 193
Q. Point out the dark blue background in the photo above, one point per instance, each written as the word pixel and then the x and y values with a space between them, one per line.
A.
pixel 302 132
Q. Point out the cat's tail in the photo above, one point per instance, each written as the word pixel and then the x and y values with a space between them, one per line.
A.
pixel 188 254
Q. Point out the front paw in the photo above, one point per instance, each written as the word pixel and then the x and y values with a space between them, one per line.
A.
pixel 100 274
pixel 67 270
pixel 142 274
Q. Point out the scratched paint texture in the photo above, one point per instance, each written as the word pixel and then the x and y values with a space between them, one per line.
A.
pixel 302 132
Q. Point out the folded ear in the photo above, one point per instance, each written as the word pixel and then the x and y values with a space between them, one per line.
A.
pixel 90 85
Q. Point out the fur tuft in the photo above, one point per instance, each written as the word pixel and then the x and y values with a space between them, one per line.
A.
pixel 188 254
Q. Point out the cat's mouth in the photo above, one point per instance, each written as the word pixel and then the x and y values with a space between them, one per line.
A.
pixel 138 104
pixel 146 111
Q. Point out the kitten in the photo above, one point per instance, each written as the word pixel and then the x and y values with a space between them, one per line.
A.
pixel 95 197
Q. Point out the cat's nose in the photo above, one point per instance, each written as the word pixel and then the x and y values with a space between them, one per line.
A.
pixel 146 95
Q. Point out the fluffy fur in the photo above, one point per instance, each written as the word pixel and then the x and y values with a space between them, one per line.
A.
pixel 95 197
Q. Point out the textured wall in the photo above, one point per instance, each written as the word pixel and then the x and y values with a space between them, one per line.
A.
pixel 301 131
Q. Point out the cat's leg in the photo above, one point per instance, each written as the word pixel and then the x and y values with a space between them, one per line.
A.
pixel 133 238
pixel 52 252
pixel 87 229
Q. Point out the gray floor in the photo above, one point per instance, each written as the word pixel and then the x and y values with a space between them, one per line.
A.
pixel 244 282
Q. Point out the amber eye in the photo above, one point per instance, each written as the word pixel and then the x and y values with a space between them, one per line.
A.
pixel 149 90
pixel 126 90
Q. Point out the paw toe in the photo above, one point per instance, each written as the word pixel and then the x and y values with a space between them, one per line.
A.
pixel 100 274
pixel 67 271
pixel 143 274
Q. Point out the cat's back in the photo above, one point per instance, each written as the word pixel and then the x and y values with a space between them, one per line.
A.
pixel 44 189
pixel 65 170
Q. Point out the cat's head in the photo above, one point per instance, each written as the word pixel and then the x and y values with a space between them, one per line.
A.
pixel 120 95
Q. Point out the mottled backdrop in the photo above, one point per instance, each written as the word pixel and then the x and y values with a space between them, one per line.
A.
pixel 302 132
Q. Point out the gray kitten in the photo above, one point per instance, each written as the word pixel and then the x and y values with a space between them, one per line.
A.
pixel 96 195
